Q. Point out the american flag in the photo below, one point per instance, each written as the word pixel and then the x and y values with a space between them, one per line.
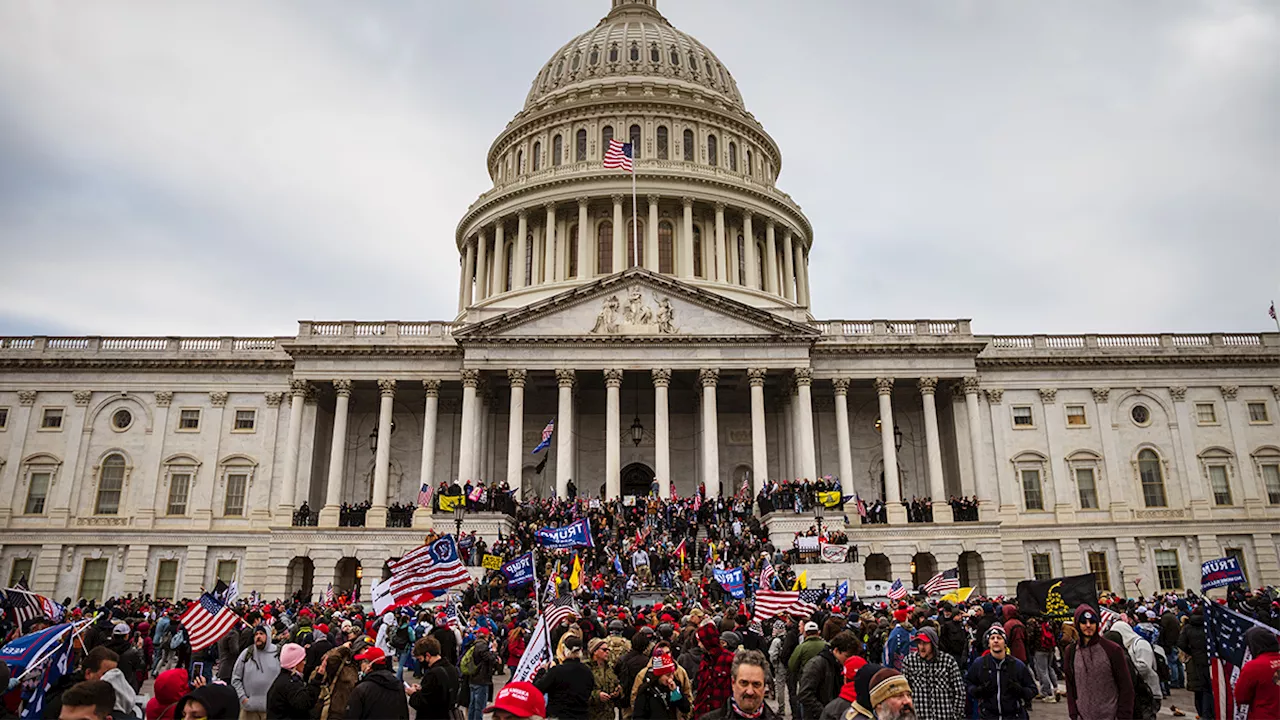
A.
pixel 767 574
pixel 618 156
pixel 328 594
pixel 547 432
pixel 943 582
pixel 207 621
pixel 427 569
pixel 897 590
pixel 451 619
pixel 56 665
pixel 424 496
pixel 1228 652
pixel 27 605
pixel 1108 618
pixel 771 603
pixel 560 609
pixel 1272 310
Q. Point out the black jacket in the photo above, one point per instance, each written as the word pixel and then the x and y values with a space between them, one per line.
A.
pixel 439 691
pixel 378 696
pixel 1002 690
pixel 131 660
pixel 486 663
pixel 291 697
pixel 1193 641
pixel 820 682
pixel 448 643
pixel 954 640
pixel 727 713
pixel 53 698
pixel 653 702
pixel 568 687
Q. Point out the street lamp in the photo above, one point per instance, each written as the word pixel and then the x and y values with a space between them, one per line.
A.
pixel 458 511
pixel 818 511
pixel 897 435
pixel 637 429
pixel 373 436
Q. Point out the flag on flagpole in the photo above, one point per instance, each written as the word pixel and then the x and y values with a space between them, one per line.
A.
pixel 575 576
pixel 802 581
pixel 425 571
pixel 1272 310
pixel 767 575
pixel 536 651
pixel 207 621
pixel 1228 652
pixel 897 590
pixel 451 618
pixel 424 496
pixel 58 665
pixel 943 582
pixel 800 603
pixel 24 605
pixel 547 432
pixel 617 565
pixel 618 156
pixel 681 550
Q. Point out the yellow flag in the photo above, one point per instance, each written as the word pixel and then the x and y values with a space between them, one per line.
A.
pixel 575 577
pixel 957 596
pixel 830 498
pixel 802 581
pixel 449 502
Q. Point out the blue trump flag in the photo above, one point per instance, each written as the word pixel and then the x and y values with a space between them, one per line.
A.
pixel 732 581
pixel 838 595
pixel 617 565
pixel 547 432
pixel 1220 573
pixel 58 664
pixel 575 534
pixel 519 570
pixel 21 651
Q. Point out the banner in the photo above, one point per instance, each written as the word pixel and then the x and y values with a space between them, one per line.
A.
pixel 831 498
pixel 839 595
pixel 806 544
pixel 382 598
pixel 1220 573
pixel 575 534
pixel 535 653
pixel 835 553
pixel 491 562
pixel 732 581
pixel 449 502
pixel 1057 597
pixel 519 570
pixel 961 595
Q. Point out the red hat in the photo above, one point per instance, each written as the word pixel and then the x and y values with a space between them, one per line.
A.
pixel 922 638
pixel 900 615
pixel 304 612
pixel 852 665
pixel 483 631
pixel 657 607
pixel 521 699
pixel 323 628
pixel 662 664
pixel 372 653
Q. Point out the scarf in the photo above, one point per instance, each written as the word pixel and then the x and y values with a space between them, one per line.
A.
pixel 848 692
pixel 743 713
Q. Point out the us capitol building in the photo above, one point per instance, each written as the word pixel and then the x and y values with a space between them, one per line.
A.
pixel 685 352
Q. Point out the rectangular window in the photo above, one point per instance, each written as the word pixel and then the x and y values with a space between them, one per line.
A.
pixel 38 492
pixel 1271 478
pixel 52 419
pixel 21 570
pixel 179 489
pixel 1031 490
pixel 93 580
pixel 1076 416
pixel 1101 574
pixel 4 418
pixel 1258 413
pixel 1206 414
pixel 226 571
pixel 167 579
pixel 1088 489
pixel 245 419
pixel 189 419
pixel 1041 566
pixel 1221 488
pixel 234 506
pixel 1022 416
pixel 1238 554
pixel 1168 571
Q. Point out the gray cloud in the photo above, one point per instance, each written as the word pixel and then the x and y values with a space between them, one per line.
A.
pixel 231 167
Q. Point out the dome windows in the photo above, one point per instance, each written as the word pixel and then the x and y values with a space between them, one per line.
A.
pixel 634 132
pixel 655 55
pixel 613 53
pixel 733 156
pixel 573 250
pixel 557 150
pixel 635 51
pixel 604 248
pixel 663 143
pixel 712 151
pixel 559 68
pixel 675 56
pixel 693 62
pixel 580 152
pixel 594 58
pixel 537 155
pixel 697 251
pixel 520 162
pixel 688 145
pixel 751 170
pixel 666 247
pixel 577 62
pixel 606 134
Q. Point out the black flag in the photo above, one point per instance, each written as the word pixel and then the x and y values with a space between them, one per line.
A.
pixel 542 465
pixel 1057 597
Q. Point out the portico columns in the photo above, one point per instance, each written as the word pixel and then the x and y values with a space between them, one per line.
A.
pixel 612 435
pixel 970 385
pixel 619 244
pixel 686 240
pixel 651 236
pixel 548 261
pixel 428 467
pixel 802 288
pixel 892 491
pixel 288 488
pixel 468 277
pixel 515 429
pixel 749 247
pixel 937 485
pixel 522 250
pixel 770 258
pixel 709 377
pixel 467 444
pixel 808 463
pixel 789 267
pixel 382 457
pixel 661 431
pixel 584 254
pixel 842 435
pixel 722 252
pixel 759 448
pixel 499 283
pixel 564 429
pixel 337 455
pixel 482 266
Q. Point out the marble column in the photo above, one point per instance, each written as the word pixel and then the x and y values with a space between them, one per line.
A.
pixel 685 266
pixel 770 258
pixel 549 245
pixel 933 450
pixel 337 455
pixel 709 377
pixel 482 265
pixel 722 252
pixel 749 247
pixel 759 443
pixel 483 454
pixel 651 235
pixel 468 277
pixel 382 456
pixel 787 436
pixel 892 491
pixel 974 420
pixel 467 443
pixel 661 431
pixel 515 429
pixel 802 291
pixel 788 267
pixel 808 463
pixel 289 472
pixel 522 250
pixel 619 237
pixel 843 449
pixel 564 430
pixel 612 434
pixel 499 284
pixel 585 255
pixel 427 473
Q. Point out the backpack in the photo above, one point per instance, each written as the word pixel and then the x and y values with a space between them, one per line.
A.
pixel 400 640
pixel 1047 641
pixel 468 665
pixel 177 639
pixel 1162 668
pixel 1144 703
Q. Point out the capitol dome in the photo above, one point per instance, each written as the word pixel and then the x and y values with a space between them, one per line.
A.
pixel 633 40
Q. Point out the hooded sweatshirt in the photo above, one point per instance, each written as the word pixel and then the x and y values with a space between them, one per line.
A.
pixel 1256 685
pixel 126 699
pixel 253 675
pixel 1016 633
pixel 937 687
pixel 1098 683
pixel 1143 655
pixel 220 702
pixel 170 686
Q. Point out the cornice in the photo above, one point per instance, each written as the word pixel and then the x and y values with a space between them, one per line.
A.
pixel 640 340
pixel 300 350
pixel 956 349
pixel 144 364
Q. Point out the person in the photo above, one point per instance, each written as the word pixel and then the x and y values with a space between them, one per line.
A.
pixel 1144 660
pixel 567 687
pixel 87 700
pixel 839 705
pixel 1256 686
pixel 477 667
pixel 747 686
pixel 803 653
pixel 899 642
pixel 937 688
pixel 228 653
pixel 1194 645
pixel 253 674
pixel 378 695
pixel 660 696
pixel 1041 643
pixel 821 675
pixel 131 662
pixel 126 705
pixel 337 681
pixel 291 697
pixel 715 680
pixel 891 696
pixel 1015 632
pixel 169 688
pixel 210 702
pixel 518 701
pixel 607 689
pixel 97 663
pixel 436 696
pixel 1098 683
pixel 1001 683
pixel 953 639
pixel 402 639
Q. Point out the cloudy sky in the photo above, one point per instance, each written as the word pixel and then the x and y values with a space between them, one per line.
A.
pixel 231 167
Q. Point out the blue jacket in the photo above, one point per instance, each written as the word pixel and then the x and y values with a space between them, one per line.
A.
pixel 897 647
pixel 1003 688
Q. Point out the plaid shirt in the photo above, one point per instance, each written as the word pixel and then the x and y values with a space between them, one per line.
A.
pixel 937 688
pixel 714 683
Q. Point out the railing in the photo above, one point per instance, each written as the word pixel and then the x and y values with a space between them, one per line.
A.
pixel 892 328
pixel 200 344
pixel 67 343
pixel 130 344
pixel 1132 341
pixel 306 518
pixel 134 343
pixel 383 329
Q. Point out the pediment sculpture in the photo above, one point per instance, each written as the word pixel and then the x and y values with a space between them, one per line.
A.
pixel 635 317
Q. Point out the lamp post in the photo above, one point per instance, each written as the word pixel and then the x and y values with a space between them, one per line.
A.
pixel 818 512
pixel 359 576
pixel 458 511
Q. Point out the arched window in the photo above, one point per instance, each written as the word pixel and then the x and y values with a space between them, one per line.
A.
pixel 666 248
pixel 663 141
pixel 573 251
pixel 606 134
pixel 110 484
pixel 635 142
pixel 604 248
pixel 712 151
pixel 577 62
pixel 594 57
pixel 688 145
pixel 528 259
pixel 557 150
pixel 635 249
pixel 559 67
pixel 537 155
pixel 635 52
pixel 655 55
pixel 675 56
pixel 697 251
pixel 693 62
pixel 1151 473
pixel 733 156
pixel 580 153
pixel 613 53
pixel 751 168
pixel 519 161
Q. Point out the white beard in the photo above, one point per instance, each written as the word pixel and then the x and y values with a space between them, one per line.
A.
pixel 885 713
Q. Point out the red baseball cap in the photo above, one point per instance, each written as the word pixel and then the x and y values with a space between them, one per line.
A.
pixel 521 699
pixel 922 638
pixel 373 653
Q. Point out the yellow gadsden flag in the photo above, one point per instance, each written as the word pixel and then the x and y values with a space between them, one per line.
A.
pixel 802 581
pixel 575 577
pixel 957 596
pixel 449 502
pixel 830 498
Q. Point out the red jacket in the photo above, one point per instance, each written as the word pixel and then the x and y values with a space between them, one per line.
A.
pixel 714 684
pixel 1257 687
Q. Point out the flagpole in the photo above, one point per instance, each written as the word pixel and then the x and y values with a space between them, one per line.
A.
pixel 546 631
pixel 1274 315
pixel 635 221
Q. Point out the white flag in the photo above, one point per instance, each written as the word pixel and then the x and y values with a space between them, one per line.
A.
pixel 382 597
pixel 535 653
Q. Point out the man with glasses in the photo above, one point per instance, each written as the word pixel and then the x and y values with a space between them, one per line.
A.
pixel 1098 683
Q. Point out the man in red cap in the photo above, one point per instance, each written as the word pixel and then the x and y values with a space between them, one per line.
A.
pixel 378 695
pixel 937 687
pixel 518 701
